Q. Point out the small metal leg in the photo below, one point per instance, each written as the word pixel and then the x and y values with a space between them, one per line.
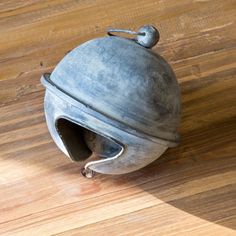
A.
pixel 86 172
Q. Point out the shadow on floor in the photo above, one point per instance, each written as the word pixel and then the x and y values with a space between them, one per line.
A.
pixel 197 177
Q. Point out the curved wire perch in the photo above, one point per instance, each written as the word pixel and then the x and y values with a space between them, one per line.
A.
pixel 111 31
pixel 88 173
pixel 147 36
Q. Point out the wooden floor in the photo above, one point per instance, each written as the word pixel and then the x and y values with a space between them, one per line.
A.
pixel 191 190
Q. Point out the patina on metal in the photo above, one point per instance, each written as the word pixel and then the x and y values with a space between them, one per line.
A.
pixel 114 98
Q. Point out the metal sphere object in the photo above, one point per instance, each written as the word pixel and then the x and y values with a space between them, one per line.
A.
pixel 115 99
pixel 148 36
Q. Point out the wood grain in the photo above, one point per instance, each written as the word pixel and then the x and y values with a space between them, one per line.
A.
pixel 191 190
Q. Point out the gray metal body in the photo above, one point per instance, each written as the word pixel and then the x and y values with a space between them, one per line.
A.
pixel 120 90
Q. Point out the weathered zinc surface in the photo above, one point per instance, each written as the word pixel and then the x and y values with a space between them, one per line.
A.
pixel 117 88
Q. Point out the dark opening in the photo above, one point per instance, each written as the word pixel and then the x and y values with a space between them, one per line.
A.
pixel 72 137
pixel 81 143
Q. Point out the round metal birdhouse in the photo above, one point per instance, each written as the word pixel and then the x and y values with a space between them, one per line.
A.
pixel 113 98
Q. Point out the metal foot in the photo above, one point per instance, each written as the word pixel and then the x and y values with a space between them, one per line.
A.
pixel 87 173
